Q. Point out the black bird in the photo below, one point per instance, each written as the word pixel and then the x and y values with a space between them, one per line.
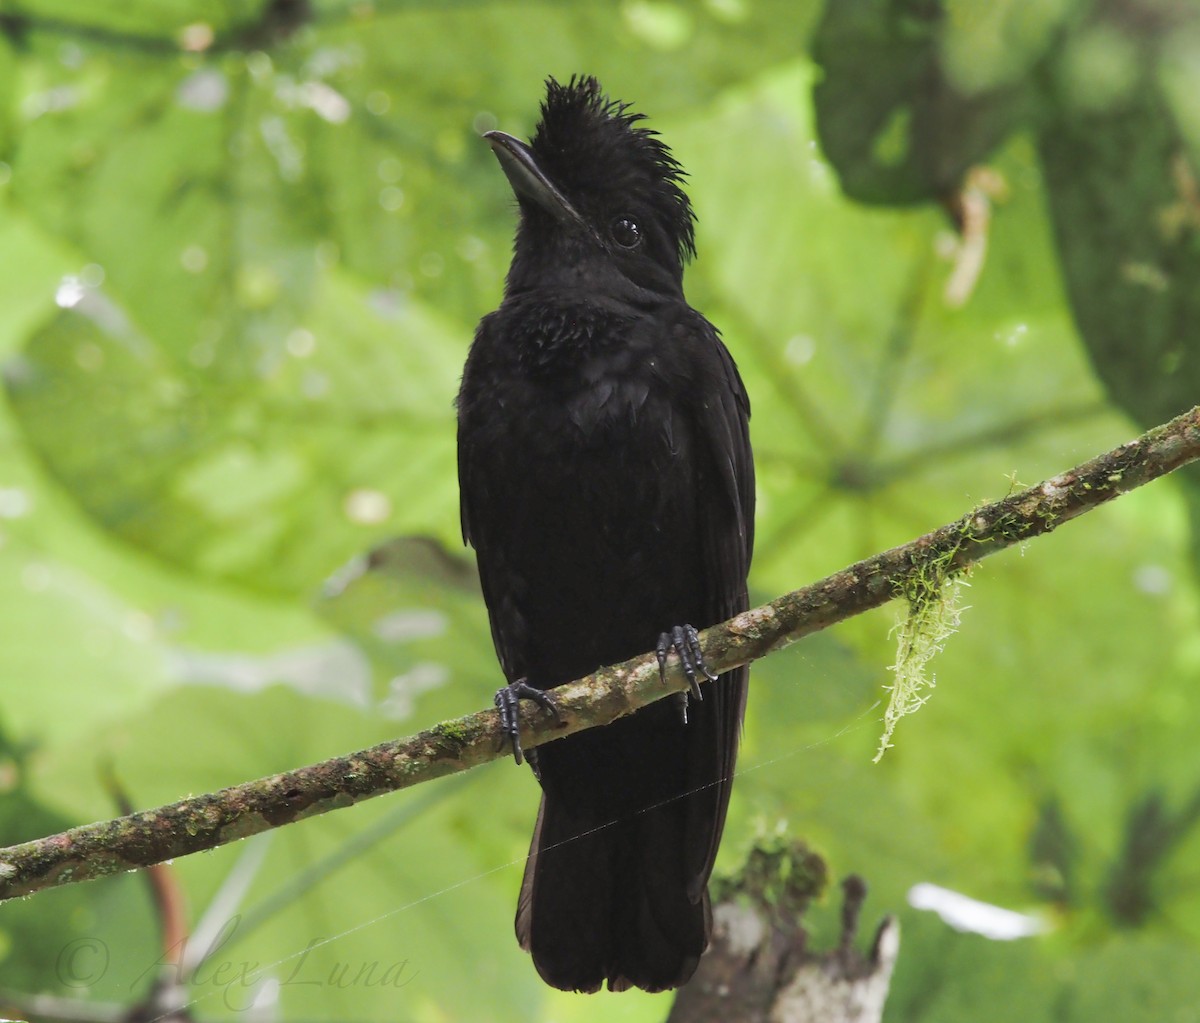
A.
pixel 607 485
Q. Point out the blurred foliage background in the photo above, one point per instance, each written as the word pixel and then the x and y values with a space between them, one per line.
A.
pixel 243 246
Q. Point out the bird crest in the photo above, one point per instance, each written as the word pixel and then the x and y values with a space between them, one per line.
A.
pixel 592 148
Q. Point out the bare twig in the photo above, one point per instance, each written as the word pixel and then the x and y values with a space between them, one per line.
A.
pixel 213 819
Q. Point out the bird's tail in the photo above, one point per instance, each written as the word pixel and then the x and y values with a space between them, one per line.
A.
pixel 609 901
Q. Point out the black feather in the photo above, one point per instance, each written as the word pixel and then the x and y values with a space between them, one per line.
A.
pixel 608 488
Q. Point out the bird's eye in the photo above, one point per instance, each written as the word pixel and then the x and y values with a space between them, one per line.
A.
pixel 626 233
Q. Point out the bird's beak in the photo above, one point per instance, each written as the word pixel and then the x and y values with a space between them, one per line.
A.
pixel 529 181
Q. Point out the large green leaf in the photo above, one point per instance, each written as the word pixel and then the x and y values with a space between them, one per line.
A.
pixel 1120 161
pixel 342 432
pixel 892 119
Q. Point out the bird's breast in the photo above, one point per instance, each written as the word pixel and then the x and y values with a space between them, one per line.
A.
pixel 593 365
pixel 585 466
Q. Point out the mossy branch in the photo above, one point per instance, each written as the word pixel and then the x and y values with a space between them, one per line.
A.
pixel 214 819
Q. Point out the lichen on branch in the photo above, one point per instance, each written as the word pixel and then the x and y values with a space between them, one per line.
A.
pixel 934 614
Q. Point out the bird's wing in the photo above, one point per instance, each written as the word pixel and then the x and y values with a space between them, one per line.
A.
pixel 483 506
pixel 727 537
pixel 727 429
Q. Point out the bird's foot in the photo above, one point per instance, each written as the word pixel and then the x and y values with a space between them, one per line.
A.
pixel 685 641
pixel 508 701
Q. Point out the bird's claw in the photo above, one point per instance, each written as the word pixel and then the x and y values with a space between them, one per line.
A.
pixel 685 641
pixel 508 703
pixel 682 700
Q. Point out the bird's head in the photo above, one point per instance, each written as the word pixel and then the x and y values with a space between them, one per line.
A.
pixel 601 201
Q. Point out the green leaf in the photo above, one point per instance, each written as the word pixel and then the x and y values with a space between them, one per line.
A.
pixel 895 124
